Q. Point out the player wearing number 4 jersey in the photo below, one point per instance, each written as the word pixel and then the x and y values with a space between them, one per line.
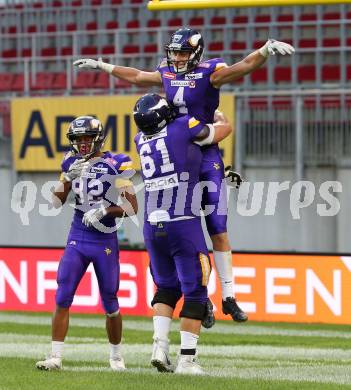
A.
pixel 170 156
pixel 93 176
pixel 192 85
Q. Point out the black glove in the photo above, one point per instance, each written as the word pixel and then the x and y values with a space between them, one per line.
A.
pixel 234 177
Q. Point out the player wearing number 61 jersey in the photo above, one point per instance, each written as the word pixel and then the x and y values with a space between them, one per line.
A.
pixel 170 156
pixel 93 176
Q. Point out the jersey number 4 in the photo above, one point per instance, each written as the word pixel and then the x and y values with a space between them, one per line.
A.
pixel 148 164
pixel 178 101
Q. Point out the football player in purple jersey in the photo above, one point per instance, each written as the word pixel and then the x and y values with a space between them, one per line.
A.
pixel 94 176
pixel 170 156
pixel 192 86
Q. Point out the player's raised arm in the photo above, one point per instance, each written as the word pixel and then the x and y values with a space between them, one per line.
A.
pixel 216 132
pixel 132 75
pixel 250 63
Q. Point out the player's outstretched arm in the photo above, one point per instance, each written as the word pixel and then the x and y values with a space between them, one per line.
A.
pixel 131 75
pixel 250 63
pixel 216 132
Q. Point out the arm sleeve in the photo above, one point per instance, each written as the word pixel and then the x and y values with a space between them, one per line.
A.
pixel 206 135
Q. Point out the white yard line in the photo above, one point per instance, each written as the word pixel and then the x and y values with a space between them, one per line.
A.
pixel 146 325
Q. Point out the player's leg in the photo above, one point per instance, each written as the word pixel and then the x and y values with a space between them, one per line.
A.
pixel 167 294
pixel 193 267
pixel 71 270
pixel 216 223
pixel 105 257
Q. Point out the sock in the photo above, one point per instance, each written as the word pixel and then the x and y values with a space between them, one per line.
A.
pixel 57 348
pixel 188 343
pixel 162 326
pixel 223 261
pixel 115 351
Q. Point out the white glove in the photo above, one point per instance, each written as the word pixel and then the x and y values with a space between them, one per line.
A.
pixel 88 63
pixel 272 47
pixel 94 215
pixel 76 169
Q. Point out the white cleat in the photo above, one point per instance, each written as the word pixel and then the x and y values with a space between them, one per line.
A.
pixel 117 364
pixel 49 364
pixel 160 356
pixel 187 365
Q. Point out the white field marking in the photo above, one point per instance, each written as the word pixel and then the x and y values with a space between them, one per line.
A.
pixel 99 352
pixel 147 325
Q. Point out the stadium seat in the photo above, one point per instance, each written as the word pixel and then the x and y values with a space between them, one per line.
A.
pixel 26 52
pixel 285 18
pixel 6 81
pixel 91 26
pixel 102 80
pixel 306 73
pixel 76 3
pixel 216 46
pixel 259 76
pixel 85 80
pixel 109 49
pixel 151 48
pixel 218 20
pixel 136 1
pixel 96 2
pixel 258 44
pixel 32 29
pixel 240 19
pixel 307 42
pixel 153 23
pixel 282 74
pixel 348 72
pixel 71 27
pixel 66 51
pixel 131 49
pixel 331 73
pixel 262 18
pixel 18 83
pixel 238 45
pixel 308 17
pixel 9 53
pixel 111 25
pixel 116 2
pixel 175 22
pixel 42 81
pixel 331 16
pixel 37 5
pixel 331 42
pixel 59 81
pixel 89 51
pixel 57 3
pixel 133 24
pixel 196 21
pixel 12 30
pixel 51 27
pixel 48 52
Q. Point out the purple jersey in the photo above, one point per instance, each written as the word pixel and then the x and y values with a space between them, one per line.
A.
pixel 170 164
pixel 96 187
pixel 193 94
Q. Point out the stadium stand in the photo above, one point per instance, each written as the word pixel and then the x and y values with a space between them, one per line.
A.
pixel 43 38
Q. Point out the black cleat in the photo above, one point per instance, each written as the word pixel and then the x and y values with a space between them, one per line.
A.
pixel 209 318
pixel 229 306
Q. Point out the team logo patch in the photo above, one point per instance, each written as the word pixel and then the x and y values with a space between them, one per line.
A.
pixel 192 84
pixel 176 37
pixel 193 76
pixel 216 166
pixel 169 75
pixel 108 251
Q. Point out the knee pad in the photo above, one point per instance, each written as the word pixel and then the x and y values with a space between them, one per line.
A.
pixel 167 297
pixel 193 310
pixel 113 315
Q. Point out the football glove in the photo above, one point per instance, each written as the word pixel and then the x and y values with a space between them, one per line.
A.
pixel 234 177
pixel 273 47
pixel 76 169
pixel 94 215
pixel 88 63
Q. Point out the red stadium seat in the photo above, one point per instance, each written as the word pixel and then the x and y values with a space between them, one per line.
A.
pixel 258 44
pixel 307 42
pixel 259 76
pixel 32 28
pixel 238 45
pixel 131 49
pixel 26 52
pixel 6 81
pixel 51 28
pixel 48 52
pixel 18 83
pixel 331 42
pixel 71 27
pixel 348 72
pixel 85 80
pixel 306 73
pixel 216 46
pixel 133 24
pixel 38 5
pixel 331 73
pixel 308 17
pixel 285 18
pixel 152 23
pixel 262 18
pixel 89 51
pixel 60 81
pixel 240 19
pixel 96 2
pixel 42 81
pixel 10 53
pixel 218 20
pixel 102 80
pixel 57 3
pixel 282 74
pixel 76 3
pixel 151 48
pixel 136 1
pixel 175 22
pixel 109 49
pixel 196 21
pixel 111 25
pixel 66 51
pixel 117 2
pixel 331 16
pixel 12 30
pixel 91 26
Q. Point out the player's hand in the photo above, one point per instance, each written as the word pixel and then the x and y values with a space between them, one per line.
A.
pixel 235 178
pixel 75 170
pixel 94 215
pixel 88 63
pixel 273 47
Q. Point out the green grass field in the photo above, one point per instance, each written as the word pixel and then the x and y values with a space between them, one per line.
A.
pixel 245 356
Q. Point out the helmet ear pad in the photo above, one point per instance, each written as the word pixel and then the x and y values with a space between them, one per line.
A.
pixel 152 113
pixel 185 40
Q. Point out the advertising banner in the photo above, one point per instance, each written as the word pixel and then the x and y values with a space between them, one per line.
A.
pixel 269 287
